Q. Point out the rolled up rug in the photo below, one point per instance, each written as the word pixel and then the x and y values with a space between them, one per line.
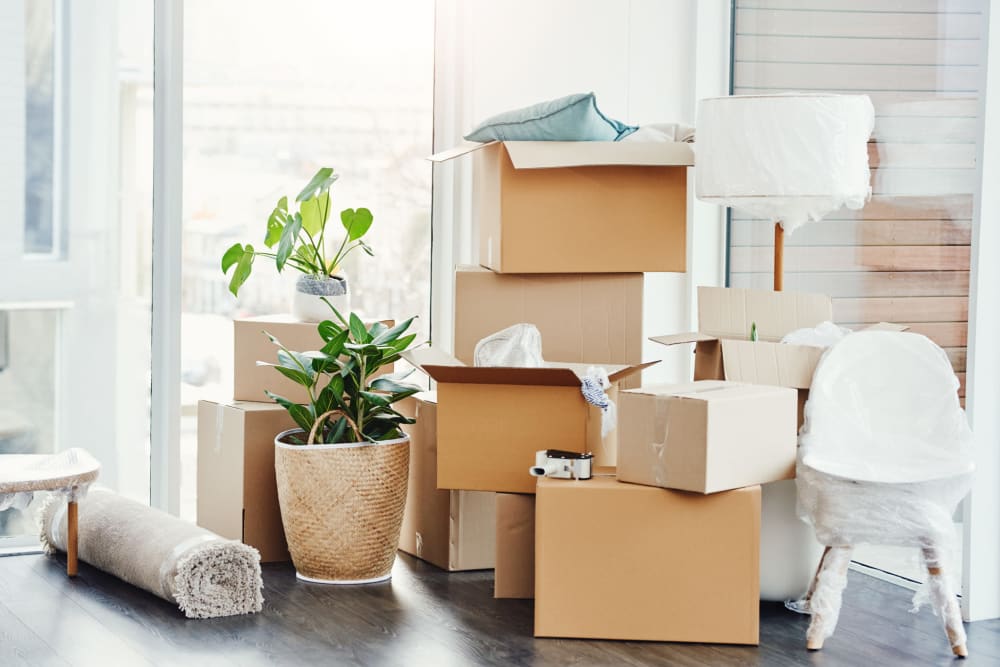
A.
pixel 203 574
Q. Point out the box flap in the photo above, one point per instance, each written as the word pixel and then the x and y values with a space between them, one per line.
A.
pixel 674 339
pixel 729 312
pixel 770 363
pixel 550 154
pixel 430 356
pixel 463 148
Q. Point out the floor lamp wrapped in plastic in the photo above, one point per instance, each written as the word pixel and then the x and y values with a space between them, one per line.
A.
pixel 884 458
pixel 789 158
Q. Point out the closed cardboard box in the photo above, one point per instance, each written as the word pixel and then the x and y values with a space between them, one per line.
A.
pixel 580 206
pixel 251 344
pixel 581 317
pixel 623 561
pixel 237 493
pixel 492 420
pixel 455 530
pixel 514 576
pixel 706 436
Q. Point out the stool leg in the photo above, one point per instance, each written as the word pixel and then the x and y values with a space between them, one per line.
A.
pixel 71 539
pixel 827 595
pixel 944 601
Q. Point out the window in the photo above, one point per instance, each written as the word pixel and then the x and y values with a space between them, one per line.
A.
pixel 295 86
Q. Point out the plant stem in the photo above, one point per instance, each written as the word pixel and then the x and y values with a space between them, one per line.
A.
pixel 322 235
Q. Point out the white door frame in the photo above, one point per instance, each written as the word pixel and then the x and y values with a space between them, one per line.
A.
pixel 168 91
pixel 981 548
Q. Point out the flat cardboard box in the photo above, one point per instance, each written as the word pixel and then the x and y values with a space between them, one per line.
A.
pixel 237 492
pixel 515 541
pixel 707 436
pixel 623 561
pixel 580 206
pixel 455 530
pixel 492 420
pixel 251 345
pixel 581 317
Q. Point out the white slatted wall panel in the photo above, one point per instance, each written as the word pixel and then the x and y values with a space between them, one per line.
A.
pixel 905 256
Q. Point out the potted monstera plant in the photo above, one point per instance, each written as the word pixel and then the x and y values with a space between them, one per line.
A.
pixel 342 474
pixel 299 239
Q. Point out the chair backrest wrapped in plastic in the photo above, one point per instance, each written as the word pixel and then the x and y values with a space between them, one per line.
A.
pixel 883 407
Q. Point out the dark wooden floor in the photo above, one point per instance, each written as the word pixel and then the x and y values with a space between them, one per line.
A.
pixel 424 617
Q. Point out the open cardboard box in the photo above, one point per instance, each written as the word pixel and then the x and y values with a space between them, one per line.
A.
pixel 579 206
pixel 492 420
pixel 724 351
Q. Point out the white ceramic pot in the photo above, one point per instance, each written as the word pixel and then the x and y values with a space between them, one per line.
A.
pixel 308 305
pixel 342 506
pixel 789 552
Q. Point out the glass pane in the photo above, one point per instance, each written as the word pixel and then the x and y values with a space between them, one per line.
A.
pixel 27 387
pixel 352 91
pixel 39 119
pixel 905 256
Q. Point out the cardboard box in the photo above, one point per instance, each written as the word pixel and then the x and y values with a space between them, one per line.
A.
pixel 622 561
pixel 580 206
pixel 492 420
pixel 582 317
pixel 515 541
pixel 707 436
pixel 237 492
pixel 455 530
pixel 250 345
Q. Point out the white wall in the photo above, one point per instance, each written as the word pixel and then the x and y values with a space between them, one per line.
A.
pixel 646 60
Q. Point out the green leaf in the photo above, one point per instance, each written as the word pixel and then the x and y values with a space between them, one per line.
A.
pixel 299 413
pixel 356 222
pixel 308 255
pixel 402 343
pixel 392 334
pixel 365 349
pixel 328 329
pixel 323 179
pixel 296 361
pixel 324 207
pixel 376 330
pixel 389 385
pixel 311 217
pixel 296 376
pixel 334 309
pixel 358 330
pixel 374 399
pixel 283 204
pixel 242 271
pixel 231 256
pixel 335 346
pixel 367 248
pixel 289 237
pixel 275 223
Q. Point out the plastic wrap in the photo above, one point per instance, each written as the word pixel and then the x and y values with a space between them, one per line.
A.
pixel 823 334
pixel 518 345
pixel 791 158
pixel 68 473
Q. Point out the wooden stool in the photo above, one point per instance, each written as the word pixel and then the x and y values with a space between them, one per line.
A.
pixel 69 472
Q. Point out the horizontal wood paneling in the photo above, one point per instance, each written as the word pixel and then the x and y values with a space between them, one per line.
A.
pixel 904 257
pixel 848 25
pixel 865 283
pixel 860 258
pixel 856 232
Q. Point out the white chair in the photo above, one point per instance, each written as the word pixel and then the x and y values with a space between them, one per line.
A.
pixel 884 458
pixel 70 472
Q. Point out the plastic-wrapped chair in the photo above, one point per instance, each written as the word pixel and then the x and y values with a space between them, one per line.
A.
pixel 884 458
pixel 70 473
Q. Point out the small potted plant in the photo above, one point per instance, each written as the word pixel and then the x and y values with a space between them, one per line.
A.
pixel 342 474
pixel 298 239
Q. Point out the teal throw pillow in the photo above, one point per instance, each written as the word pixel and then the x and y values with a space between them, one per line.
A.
pixel 570 118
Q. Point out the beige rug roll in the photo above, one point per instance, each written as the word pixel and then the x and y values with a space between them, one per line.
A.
pixel 203 574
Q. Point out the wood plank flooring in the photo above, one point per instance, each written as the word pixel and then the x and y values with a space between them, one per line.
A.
pixel 424 617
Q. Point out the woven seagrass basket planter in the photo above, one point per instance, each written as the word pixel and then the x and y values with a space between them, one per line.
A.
pixel 342 507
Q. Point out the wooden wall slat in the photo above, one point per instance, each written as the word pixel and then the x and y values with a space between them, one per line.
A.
pixel 782 49
pixel 930 155
pixel 865 283
pixel 833 24
pixel 903 182
pixel 902 309
pixel 810 76
pixel 931 129
pixel 856 232
pixel 861 258
pixel 945 334
pixel 902 6
pixel 889 207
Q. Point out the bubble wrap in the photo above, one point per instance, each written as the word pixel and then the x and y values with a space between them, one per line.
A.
pixel 519 345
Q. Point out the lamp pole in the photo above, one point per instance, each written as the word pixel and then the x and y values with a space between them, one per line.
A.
pixel 779 257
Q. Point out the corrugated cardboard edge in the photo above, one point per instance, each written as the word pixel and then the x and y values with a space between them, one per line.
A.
pixel 558 154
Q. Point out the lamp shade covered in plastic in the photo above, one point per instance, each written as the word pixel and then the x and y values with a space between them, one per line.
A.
pixel 788 158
